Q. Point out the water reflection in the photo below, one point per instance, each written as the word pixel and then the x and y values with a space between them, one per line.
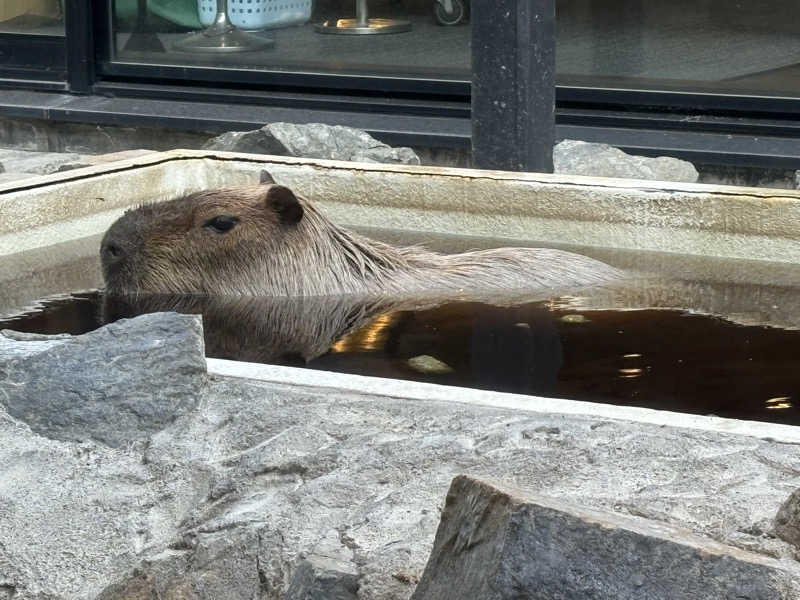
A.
pixel 263 329
pixel 630 373
pixel 778 403
pixel 43 17
pixel 666 359
pixel 503 348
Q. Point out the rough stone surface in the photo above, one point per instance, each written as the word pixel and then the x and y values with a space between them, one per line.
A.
pixel 113 385
pixel 312 140
pixel 21 164
pixel 40 163
pixel 323 578
pixel 91 160
pixel 55 136
pixel 787 521
pixel 574 157
pixel 231 498
pixel 495 543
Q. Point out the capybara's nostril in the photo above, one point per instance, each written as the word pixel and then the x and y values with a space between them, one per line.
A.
pixel 112 252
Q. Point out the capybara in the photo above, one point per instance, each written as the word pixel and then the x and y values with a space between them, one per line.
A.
pixel 264 240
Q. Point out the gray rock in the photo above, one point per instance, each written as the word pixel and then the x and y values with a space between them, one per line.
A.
pixel 113 385
pixel 39 163
pixel 496 543
pixel 429 365
pixel 102 507
pixel 259 141
pixel 312 140
pixel 92 160
pixel 42 135
pixel 229 499
pixel 574 157
pixel 787 521
pixel 217 565
pixel 323 578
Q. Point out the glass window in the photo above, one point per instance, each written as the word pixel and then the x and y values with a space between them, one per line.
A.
pixel 385 38
pixel 40 17
pixel 32 42
pixel 685 45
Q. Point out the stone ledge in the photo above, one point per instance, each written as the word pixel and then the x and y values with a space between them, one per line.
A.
pixel 496 543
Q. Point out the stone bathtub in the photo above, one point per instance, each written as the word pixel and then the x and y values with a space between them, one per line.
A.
pixel 273 481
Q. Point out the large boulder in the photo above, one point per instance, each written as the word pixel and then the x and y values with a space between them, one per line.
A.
pixel 496 543
pixel 787 521
pixel 312 140
pixel 574 157
pixel 114 385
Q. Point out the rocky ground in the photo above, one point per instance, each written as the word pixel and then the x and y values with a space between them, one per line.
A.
pixel 16 165
pixel 570 156
pixel 127 474
pixel 21 161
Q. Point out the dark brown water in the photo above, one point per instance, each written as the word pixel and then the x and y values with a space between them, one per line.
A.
pixel 665 359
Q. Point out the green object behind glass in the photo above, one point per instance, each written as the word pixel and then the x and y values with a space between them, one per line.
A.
pixel 179 12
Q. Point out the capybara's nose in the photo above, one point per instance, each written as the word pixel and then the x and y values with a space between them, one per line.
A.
pixel 112 252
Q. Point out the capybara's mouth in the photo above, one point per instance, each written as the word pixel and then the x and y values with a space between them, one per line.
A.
pixel 120 279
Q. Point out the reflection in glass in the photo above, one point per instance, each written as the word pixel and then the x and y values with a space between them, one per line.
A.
pixel 692 45
pixel 426 49
pixel 41 17
pixel 222 36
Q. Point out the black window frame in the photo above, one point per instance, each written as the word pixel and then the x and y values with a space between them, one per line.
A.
pixel 33 59
pixel 647 120
pixel 568 94
pixel 263 78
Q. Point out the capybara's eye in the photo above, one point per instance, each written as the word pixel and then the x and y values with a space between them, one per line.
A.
pixel 221 224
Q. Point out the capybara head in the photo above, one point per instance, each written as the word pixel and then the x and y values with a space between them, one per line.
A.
pixel 201 242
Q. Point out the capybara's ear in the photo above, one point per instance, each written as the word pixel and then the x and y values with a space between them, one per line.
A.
pixel 283 201
pixel 265 177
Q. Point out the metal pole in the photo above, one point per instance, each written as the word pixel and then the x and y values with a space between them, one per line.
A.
pixel 362 13
pixel 362 24
pixel 80 49
pixel 513 85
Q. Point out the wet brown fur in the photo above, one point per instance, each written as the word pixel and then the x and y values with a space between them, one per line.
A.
pixel 169 248
pixel 262 329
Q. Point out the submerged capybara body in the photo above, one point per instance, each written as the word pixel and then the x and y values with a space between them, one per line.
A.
pixel 261 328
pixel 263 240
